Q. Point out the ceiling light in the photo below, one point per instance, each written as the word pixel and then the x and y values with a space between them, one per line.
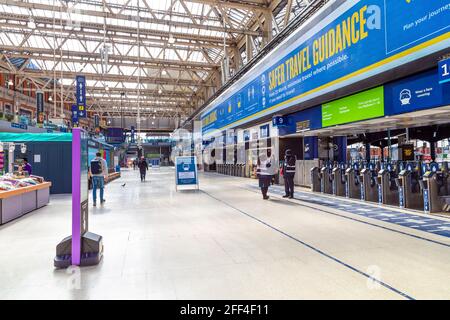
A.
pixel 50 98
pixel 10 82
pixel 171 39
pixel 154 117
pixel 159 91
pixel 106 88
pixel 164 72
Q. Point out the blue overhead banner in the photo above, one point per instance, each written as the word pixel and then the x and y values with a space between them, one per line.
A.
pixel 358 40
pixel 444 71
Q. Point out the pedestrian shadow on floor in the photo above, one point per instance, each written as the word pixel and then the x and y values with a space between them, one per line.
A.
pixel 283 202
pixel 100 210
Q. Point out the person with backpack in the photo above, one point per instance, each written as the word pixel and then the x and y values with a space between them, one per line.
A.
pixel 288 172
pixel 99 173
pixel 143 168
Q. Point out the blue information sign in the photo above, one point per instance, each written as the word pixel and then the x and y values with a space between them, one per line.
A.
pixel 81 96
pixel 81 90
pixel 444 71
pixel 186 171
pixel 74 115
pixel 279 121
pixel 96 121
pixel 40 106
pixel 264 131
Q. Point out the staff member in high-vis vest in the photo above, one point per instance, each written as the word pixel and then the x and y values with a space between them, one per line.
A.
pixel 288 174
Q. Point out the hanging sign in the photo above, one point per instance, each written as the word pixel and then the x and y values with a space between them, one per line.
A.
pixel 40 107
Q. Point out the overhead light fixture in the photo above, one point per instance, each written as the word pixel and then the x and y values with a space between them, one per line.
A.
pixel 164 72
pixel 10 82
pixel 106 88
pixel 159 91
pixel 154 117
pixel 50 98
pixel 171 39
pixel 31 24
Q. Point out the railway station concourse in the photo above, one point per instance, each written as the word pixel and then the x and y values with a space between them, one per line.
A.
pixel 224 150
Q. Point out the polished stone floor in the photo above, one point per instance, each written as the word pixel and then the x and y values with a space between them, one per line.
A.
pixel 223 242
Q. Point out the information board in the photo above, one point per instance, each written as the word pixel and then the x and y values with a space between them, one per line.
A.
pixel 365 105
pixel 444 71
pixel 186 171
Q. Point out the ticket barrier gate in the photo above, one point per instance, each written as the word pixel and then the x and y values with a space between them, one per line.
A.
pixel 369 186
pixel 409 189
pixel 339 180
pixel 435 186
pixel 352 182
pixel 387 187
pixel 315 179
pixel 326 179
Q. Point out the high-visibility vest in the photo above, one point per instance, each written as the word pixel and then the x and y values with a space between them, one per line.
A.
pixel 288 168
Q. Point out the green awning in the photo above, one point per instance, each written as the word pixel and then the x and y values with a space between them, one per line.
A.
pixel 35 137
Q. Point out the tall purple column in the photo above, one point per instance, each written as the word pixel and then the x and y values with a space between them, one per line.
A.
pixel 76 196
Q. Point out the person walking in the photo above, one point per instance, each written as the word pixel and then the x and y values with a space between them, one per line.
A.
pixel 99 173
pixel 134 164
pixel 264 171
pixel 143 168
pixel 288 174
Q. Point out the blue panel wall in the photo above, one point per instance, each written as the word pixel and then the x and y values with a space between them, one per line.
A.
pixel 55 164
pixel 311 148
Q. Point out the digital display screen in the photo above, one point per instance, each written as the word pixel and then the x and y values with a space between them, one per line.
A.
pixel 361 106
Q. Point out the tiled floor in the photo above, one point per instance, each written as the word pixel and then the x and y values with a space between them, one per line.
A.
pixel 223 242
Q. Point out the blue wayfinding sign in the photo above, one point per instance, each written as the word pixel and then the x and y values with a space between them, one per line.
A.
pixel 81 96
pixel 333 54
pixel 74 114
pixel 186 171
pixel 40 106
pixel 444 71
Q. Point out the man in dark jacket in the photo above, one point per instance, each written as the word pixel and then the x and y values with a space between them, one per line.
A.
pixel 143 167
pixel 288 174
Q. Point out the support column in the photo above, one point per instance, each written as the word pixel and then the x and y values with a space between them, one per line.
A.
pixel 433 150
pixel 249 47
pixel 367 152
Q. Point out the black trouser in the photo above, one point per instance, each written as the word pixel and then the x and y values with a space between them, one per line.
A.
pixel 143 175
pixel 289 184
pixel 264 191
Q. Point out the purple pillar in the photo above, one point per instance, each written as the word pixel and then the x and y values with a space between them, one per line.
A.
pixel 76 196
